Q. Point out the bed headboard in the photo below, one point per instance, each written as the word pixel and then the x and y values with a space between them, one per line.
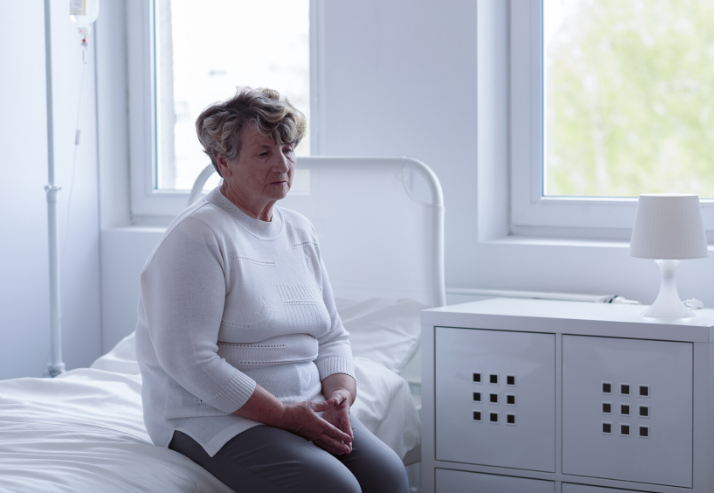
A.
pixel 376 238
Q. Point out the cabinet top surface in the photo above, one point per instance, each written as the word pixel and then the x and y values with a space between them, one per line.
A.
pixel 538 315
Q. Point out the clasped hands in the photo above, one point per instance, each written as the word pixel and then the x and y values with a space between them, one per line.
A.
pixel 331 432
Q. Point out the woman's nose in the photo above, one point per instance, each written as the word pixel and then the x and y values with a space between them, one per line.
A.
pixel 282 163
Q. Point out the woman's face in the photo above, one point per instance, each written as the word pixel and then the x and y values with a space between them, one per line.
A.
pixel 263 171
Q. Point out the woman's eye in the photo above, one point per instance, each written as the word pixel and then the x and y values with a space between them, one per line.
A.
pixel 263 153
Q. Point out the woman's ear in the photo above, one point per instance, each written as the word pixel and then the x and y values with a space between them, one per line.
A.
pixel 222 163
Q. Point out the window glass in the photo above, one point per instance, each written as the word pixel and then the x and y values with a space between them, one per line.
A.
pixel 203 52
pixel 629 97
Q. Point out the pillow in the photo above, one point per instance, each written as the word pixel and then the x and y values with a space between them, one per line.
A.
pixel 121 359
pixel 385 406
pixel 387 332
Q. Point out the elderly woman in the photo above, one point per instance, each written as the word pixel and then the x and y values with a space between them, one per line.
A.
pixel 246 366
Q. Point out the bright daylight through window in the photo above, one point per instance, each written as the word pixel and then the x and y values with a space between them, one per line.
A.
pixel 629 97
pixel 203 52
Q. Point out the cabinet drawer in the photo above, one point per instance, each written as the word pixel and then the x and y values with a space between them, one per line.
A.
pixel 627 409
pixel 448 481
pixel 581 488
pixel 495 398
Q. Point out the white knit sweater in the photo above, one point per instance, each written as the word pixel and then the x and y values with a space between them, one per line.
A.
pixel 228 300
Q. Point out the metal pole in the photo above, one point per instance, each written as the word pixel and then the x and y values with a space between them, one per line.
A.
pixel 56 365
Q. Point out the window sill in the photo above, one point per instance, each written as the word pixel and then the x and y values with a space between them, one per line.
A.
pixel 558 242
pixel 563 242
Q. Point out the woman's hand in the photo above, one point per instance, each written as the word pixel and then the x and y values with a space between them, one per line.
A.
pixel 302 419
pixel 340 390
pixel 338 414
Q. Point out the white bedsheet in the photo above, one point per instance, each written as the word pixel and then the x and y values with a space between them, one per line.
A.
pixel 83 431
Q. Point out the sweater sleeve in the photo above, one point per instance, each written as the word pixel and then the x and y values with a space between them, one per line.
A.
pixel 183 289
pixel 334 350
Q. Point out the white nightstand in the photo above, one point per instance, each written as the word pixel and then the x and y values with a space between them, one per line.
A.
pixel 531 396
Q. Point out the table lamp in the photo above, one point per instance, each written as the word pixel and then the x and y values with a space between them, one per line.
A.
pixel 668 229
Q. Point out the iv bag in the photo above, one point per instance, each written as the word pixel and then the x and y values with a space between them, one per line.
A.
pixel 84 13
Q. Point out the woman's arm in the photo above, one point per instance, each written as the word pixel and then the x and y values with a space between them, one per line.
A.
pixel 341 383
pixel 300 418
pixel 334 362
pixel 183 289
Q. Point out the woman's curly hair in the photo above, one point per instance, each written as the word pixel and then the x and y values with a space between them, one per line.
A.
pixel 219 126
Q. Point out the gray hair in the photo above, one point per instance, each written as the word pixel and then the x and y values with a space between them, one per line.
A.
pixel 219 126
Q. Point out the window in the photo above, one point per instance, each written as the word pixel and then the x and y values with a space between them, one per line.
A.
pixel 628 97
pixel 608 100
pixel 183 56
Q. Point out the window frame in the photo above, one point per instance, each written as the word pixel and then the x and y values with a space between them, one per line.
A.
pixel 145 200
pixel 533 214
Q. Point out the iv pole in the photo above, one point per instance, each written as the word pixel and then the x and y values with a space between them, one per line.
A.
pixel 56 366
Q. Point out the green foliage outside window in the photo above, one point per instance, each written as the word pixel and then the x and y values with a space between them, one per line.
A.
pixel 630 99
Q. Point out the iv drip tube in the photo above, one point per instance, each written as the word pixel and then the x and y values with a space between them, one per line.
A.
pixel 56 366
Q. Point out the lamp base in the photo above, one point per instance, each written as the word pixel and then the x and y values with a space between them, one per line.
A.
pixel 668 306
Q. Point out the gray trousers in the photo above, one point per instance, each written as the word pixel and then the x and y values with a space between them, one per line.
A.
pixel 264 459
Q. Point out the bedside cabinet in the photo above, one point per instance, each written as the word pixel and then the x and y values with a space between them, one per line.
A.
pixel 535 396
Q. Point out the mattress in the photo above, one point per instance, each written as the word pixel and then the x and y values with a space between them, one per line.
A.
pixel 84 431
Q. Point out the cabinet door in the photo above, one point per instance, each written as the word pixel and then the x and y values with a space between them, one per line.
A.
pixel 627 409
pixel 448 481
pixel 495 398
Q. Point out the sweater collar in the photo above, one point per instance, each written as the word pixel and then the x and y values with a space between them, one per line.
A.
pixel 256 227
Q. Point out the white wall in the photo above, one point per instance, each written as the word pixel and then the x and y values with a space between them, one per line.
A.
pixel 122 255
pixel 24 286
pixel 112 114
pixel 400 79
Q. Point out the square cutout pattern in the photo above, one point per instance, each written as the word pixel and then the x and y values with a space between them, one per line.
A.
pixel 640 411
pixel 493 398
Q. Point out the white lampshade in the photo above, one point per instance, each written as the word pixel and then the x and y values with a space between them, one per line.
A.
pixel 668 226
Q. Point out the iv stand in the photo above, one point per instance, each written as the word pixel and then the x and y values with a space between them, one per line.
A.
pixel 56 366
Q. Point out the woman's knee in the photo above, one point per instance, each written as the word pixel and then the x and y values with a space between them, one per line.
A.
pixel 377 467
pixel 388 475
pixel 327 475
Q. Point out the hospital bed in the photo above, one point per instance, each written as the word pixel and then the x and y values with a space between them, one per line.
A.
pixel 380 224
